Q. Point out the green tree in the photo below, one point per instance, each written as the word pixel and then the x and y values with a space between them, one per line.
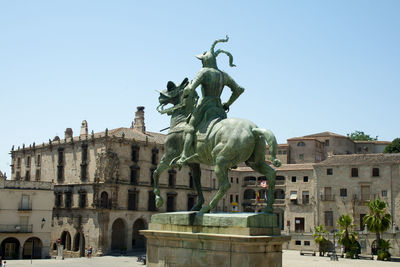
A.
pixel 393 147
pixel 378 220
pixel 319 238
pixel 361 136
pixel 347 237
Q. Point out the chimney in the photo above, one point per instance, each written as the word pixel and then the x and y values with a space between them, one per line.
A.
pixel 138 123
pixel 84 128
pixel 68 133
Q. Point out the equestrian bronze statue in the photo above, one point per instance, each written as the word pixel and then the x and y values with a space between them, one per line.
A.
pixel 201 133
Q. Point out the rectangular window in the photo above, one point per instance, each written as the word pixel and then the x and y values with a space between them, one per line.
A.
pixel 237 180
pixel 354 172
pixel 60 173
pixel 327 142
pixel 305 179
pixel 60 156
pixel 154 156
pixel 375 172
pixel 231 198
pixel 190 202
pixel 171 203
pixel 384 193
pixel 293 197
pixel 293 179
pixel 306 243
pixel 329 171
pixel 343 192
pixel 327 193
pixel 301 156
pixel 68 200
pixel 18 162
pixel 306 197
pixel 132 200
pixel 365 192
pixel 18 175
pixel 231 180
pixel 27 176
pixel 299 224
pixel 237 198
pixel 298 242
pixel 37 176
pixel 82 199
pixel 171 178
pixel 328 218
pixel 84 172
pixel 25 203
pixel 134 175
pixel 135 153
pixel 58 200
pixel 84 153
pixel 28 162
pixel 38 160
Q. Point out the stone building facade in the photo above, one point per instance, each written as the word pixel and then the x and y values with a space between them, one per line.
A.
pixel 103 185
pixel 26 218
pixel 314 186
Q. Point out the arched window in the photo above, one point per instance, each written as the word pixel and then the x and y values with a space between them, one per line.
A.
pixel 104 200
pixel 301 143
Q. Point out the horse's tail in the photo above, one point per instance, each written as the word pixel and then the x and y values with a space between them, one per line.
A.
pixel 271 141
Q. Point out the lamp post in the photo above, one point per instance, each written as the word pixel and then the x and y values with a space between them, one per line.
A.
pixel 334 256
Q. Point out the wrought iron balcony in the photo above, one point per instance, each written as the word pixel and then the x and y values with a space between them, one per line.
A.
pixel 15 228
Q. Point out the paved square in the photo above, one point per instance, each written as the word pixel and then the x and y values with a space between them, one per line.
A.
pixel 291 258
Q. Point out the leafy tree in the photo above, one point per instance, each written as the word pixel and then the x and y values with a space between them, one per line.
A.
pixel 378 220
pixel 319 238
pixel 361 136
pixel 347 237
pixel 394 147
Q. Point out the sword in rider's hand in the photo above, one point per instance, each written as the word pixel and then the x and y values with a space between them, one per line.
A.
pixel 164 129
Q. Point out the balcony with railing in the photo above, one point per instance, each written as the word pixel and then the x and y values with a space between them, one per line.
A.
pixel 16 228
pixel 327 197
pixel 25 206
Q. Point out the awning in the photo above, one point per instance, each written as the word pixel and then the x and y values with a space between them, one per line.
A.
pixel 293 196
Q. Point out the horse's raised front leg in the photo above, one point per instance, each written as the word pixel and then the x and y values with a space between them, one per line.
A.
pixel 221 171
pixel 164 164
pixel 196 174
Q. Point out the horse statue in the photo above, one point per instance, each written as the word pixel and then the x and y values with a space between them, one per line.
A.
pixel 225 143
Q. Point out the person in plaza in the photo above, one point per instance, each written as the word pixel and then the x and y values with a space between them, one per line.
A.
pixel 212 81
pixel 90 251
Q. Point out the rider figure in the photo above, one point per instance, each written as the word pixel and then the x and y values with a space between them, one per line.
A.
pixel 212 81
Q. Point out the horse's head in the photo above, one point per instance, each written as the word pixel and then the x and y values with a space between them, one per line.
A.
pixel 171 95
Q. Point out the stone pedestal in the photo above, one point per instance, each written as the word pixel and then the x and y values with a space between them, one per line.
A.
pixel 241 239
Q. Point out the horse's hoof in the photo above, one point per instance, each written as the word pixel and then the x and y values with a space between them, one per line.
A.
pixel 159 202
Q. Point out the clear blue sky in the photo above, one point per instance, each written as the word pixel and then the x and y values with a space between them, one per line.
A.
pixel 307 66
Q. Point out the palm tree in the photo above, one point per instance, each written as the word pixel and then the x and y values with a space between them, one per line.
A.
pixel 347 237
pixel 378 220
pixel 319 238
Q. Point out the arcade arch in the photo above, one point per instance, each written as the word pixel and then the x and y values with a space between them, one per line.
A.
pixel 118 235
